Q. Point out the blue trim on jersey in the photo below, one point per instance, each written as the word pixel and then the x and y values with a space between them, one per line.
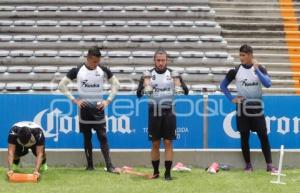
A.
pixel 224 87
pixel 264 78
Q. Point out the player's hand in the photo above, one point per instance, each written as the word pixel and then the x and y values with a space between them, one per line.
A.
pixel 37 174
pixel 80 103
pixel 255 63
pixel 10 173
pixel 238 100
pixel 102 105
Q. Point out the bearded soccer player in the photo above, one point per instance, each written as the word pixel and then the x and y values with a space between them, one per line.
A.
pixel 250 76
pixel 23 136
pixel 162 85
pixel 90 80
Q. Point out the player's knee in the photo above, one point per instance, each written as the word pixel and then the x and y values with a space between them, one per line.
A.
pixel 168 144
pixel 155 144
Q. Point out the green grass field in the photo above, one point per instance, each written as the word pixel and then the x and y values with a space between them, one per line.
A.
pixel 65 180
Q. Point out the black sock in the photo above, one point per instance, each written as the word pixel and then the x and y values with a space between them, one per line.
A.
pixel 155 165
pixel 168 165
pixel 17 161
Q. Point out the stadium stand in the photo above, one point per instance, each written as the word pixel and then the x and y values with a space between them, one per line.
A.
pixel 41 40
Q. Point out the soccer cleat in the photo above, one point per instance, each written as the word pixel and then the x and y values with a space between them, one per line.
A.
pixel 44 167
pixel 271 168
pixel 168 177
pixel 15 167
pixel 89 168
pixel 113 170
pixel 248 167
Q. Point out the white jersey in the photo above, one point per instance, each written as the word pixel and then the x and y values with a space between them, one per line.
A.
pixel 90 82
pixel 248 84
pixel 163 88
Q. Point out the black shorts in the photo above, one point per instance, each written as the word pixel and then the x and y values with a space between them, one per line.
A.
pixel 91 118
pixel 162 126
pixel 21 151
pixel 251 119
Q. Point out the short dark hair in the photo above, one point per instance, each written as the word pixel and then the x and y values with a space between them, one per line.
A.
pixel 246 49
pixel 94 51
pixel 160 51
pixel 24 134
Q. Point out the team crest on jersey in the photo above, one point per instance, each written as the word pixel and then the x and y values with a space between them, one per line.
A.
pixel 169 77
pixel 153 77
pixel 97 73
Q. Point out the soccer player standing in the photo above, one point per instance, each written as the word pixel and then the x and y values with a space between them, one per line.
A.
pixel 249 77
pixel 162 120
pixel 90 80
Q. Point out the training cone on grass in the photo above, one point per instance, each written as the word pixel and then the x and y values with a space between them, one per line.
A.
pixel 22 178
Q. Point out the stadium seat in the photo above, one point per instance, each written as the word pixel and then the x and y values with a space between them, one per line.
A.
pixel 117 38
pixel 122 69
pixel 177 69
pixel 137 23
pixel 211 38
pixel 128 87
pixel 215 54
pixel 192 54
pixel 206 23
pixel 24 23
pixel 118 54
pixel 134 8
pixel 47 38
pixel 142 69
pixel 6 22
pixel 156 8
pixel 94 38
pixel 220 70
pixel 47 8
pixel 70 53
pixel 24 38
pixel 2 86
pixel 73 38
pixel 173 54
pixel 5 38
pixel 3 69
pixel 143 54
pixel 164 38
pixel 178 8
pixel 92 23
pixel 45 69
pixel 183 23
pixel 44 86
pixel 69 8
pixel 45 53
pixel 69 23
pixel 18 86
pixel 65 69
pixel 25 8
pixel 160 23
pixel 197 70
pixel 204 88
pixel 112 8
pixel 4 53
pixel 115 23
pixel 188 38
pixel 7 8
pixel 91 8
pixel 19 69
pixel 141 38
pixel 46 23
pixel 200 8
pixel 21 53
